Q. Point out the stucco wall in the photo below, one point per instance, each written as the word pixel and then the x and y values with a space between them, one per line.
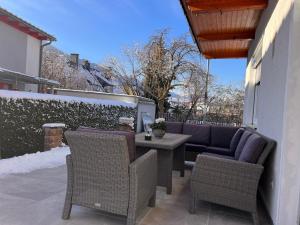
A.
pixel 32 61
pixel 13 47
pixel 288 212
pixel 33 56
pixel 274 111
pixel 19 52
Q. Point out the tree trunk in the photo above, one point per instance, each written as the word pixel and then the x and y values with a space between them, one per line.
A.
pixel 161 107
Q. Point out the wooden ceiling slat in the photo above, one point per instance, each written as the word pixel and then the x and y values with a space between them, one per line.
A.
pixel 227 28
pixel 226 36
pixel 200 6
pixel 242 53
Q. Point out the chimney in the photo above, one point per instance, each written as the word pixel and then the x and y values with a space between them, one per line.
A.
pixel 87 65
pixel 74 60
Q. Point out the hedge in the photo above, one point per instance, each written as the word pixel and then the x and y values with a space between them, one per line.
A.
pixel 21 121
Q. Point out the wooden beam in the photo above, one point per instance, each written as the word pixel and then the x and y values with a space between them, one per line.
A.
pixel 223 54
pixel 250 34
pixel 202 6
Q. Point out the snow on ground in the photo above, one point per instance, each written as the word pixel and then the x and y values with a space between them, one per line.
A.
pixel 30 95
pixel 30 162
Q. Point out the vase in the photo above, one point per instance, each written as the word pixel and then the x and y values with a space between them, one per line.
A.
pixel 158 133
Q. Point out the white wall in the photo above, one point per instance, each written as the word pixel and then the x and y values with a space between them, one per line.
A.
pixel 32 61
pixel 19 52
pixel 33 56
pixel 288 212
pixel 275 107
pixel 13 48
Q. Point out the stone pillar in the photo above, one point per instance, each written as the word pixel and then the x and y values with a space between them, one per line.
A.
pixel 53 135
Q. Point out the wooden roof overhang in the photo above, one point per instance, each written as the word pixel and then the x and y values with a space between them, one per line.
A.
pixel 223 28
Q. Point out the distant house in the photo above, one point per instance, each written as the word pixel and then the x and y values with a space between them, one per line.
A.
pixel 94 74
pixel 20 54
pixel 75 73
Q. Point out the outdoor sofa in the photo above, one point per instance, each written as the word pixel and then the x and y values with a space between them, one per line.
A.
pixel 229 176
pixel 104 174
pixel 205 138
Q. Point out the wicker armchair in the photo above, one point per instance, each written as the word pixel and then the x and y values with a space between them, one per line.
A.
pixel 100 175
pixel 223 180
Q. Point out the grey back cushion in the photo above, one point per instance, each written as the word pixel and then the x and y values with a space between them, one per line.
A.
pixel 236 139
pixel 221 136
pixel 200 133
pixel 130 137
pixel 241 144
pixel 252 149
pixel 174 127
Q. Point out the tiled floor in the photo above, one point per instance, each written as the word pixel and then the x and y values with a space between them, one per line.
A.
pixel 37 199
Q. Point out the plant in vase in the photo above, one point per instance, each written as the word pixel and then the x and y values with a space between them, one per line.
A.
pixel 159 127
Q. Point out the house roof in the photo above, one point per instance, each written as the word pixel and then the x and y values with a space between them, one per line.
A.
pixel 22 25
pixel 223 28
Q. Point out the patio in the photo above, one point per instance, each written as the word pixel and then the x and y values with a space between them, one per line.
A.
pixel 37 198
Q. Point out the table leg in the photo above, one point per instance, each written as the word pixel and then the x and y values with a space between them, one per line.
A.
pixel 179 157
pixel 164 167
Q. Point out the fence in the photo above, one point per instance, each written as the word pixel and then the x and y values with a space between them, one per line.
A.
pixel 209 118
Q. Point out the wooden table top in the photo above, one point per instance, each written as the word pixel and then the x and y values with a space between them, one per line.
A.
pixel 169 141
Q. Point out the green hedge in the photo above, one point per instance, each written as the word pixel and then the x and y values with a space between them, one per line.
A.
pixel 21 121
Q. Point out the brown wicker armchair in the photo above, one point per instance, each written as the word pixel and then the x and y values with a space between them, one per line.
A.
pixel 100 175
pixel 228 180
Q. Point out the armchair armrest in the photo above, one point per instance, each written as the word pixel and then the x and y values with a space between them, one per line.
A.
pixel 143 180
pixel 226 173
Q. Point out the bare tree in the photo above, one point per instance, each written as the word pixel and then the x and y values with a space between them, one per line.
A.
pixel 164 64
pixel 127 73
pixel 55 66
pixel 156 68
pixel 195 88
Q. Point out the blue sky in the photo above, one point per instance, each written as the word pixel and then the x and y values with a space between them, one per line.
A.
pixel 97 29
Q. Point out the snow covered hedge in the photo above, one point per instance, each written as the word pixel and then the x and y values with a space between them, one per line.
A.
pixel 22 116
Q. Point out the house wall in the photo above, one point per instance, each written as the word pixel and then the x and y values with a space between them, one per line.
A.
pixel 32 60
pixel 13 48
pixel 19 52
pixel 288 212
pixel 275 107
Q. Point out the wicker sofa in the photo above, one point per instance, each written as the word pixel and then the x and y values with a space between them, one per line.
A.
pixel 104 175
pixel 205 138
pixel 232 180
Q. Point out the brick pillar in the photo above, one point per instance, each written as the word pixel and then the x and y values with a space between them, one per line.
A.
pixel 53 135
pixel 125 127
pixel 126 124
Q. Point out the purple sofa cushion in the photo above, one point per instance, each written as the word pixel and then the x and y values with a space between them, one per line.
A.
pixel 241 144
pixel 221 136
pixel 174 127
pixel 252 149
pixel 130 137
pixel 218 155
pixel 200 133
pixel 235 140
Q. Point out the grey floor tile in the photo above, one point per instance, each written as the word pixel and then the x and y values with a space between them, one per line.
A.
pixel 30 188
pixel 37 198
pixel 57 174
pixel 219 218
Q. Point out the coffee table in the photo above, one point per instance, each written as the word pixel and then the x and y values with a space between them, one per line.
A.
pixel 170 155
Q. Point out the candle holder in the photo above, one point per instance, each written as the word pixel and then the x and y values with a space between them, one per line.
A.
pixel 148 137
